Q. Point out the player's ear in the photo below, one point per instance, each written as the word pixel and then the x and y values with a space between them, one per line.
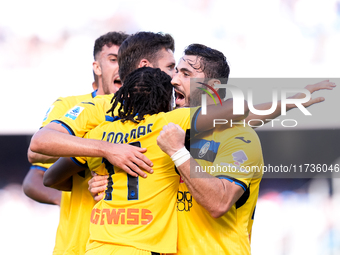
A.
pixel 144 62
pixel 96 68
pixel 214 81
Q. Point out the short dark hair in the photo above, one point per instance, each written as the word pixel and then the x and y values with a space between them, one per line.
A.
pixel 142 45
pixel 212 63
pixel 109 39
pixel 146 91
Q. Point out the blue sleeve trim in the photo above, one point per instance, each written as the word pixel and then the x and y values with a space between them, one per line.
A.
pixel 237 182
pixel 69 130
pixel 38 168
pixel 194 119
pixel 111 119
pixel 78 163
pixel 199 143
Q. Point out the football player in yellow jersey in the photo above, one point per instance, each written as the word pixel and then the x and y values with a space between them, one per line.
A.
pixel 71 229
pixel 136 212
pixel 215 205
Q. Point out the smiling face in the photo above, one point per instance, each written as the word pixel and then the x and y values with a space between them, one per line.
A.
pixel 106 68
pixel 187 68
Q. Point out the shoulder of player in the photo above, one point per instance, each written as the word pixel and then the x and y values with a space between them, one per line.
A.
pixel 175 116
pixel 98 100
pixel 240 129
pixel 72 100
pixel 179 112
pixel 115 126
pixel 236 135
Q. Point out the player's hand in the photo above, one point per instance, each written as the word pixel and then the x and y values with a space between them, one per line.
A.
pixel 326 84
pixel 171 138
pixel 129 158
pixel 97 186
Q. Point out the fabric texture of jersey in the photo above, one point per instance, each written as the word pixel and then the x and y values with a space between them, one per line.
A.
pixel 72 233
pixel 135 211
pixel 81 203
pixel 215 151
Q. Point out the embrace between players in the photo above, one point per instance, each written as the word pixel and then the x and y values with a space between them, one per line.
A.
pixel 130 130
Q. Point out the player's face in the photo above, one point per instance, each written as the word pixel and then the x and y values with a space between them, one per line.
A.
pixel 187 68
pixel 166 62
pixel 109 69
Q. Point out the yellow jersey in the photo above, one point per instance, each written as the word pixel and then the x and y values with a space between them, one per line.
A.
pixel 234 154
pixel 135 211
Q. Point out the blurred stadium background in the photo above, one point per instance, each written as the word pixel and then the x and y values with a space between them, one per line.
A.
pixel 46 52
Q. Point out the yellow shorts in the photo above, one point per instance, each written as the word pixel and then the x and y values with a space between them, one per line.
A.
pixel 98 248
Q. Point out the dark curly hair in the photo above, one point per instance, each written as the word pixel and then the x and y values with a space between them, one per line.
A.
pixel 142 45
pixel 212 63
pixel 108 39
pixel 145 91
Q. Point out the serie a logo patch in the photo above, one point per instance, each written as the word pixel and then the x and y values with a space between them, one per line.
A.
pixel 74 112
pixel 48 112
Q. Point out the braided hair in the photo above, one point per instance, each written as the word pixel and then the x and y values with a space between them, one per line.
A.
pixel 145 91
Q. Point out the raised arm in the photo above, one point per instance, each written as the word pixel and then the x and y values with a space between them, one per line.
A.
pixel 326 84
pixel 222 112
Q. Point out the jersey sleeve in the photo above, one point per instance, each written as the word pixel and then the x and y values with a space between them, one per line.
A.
pixel 184 117
pixel 40 166
pixel 85 116
pixel 57 109
pixel 239 159
pixel 194 111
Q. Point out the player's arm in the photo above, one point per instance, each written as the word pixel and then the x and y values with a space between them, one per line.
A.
pixel 222 112
pixel 326 84
pixel 58 176
pixel 217 196
pixel 53 140
pixel 33 187
pixel 40 158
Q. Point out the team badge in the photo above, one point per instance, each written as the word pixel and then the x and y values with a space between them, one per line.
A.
pixel 48 112
pixel 74 112
pixel 204 150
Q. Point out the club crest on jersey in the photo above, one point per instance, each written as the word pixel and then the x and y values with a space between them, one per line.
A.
pixel 240 157
pixel 204 150
pixel 48 112
pixel 74 112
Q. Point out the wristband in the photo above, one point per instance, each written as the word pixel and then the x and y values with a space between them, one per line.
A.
pixel 180 156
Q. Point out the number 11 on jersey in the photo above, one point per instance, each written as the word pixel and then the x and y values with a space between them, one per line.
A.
pixel 132 182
